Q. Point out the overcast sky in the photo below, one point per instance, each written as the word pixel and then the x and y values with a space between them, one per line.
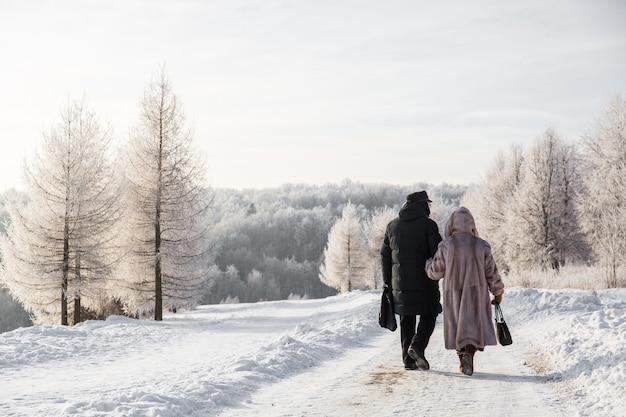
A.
pixel 317 91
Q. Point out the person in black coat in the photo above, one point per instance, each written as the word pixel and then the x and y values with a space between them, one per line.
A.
pixel 411 239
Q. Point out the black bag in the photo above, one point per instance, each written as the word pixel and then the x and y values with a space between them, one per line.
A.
pixel 502 330
pixel 386 316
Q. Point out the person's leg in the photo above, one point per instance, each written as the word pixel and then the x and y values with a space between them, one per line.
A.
pixel 425 329
pixel 407 332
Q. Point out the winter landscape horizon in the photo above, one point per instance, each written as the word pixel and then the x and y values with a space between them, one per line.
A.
pixel 196 229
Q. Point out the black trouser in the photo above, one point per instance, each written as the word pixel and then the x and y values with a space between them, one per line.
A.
pixel 419 339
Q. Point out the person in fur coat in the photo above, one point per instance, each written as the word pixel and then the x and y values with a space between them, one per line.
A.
pixel 465 263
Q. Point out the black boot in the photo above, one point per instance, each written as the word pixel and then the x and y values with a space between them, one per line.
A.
pixel 467 360
pixel 467 365
pixel 418 356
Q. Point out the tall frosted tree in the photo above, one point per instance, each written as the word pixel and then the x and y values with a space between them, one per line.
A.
pixel 604 207
pixel 491 203
pixel 167 237
pixel 545 229
pixel 59 251
pixel 346 265
pixel 374 230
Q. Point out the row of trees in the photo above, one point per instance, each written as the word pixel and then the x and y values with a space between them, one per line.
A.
pixel 559 202
pixel 103 229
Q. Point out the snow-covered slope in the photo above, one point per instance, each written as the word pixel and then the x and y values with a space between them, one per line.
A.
pixel 319 358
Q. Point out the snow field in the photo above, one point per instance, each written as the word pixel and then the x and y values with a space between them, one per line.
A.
pixel 319 358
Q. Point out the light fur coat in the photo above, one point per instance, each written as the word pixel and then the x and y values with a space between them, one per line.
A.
pixel 466 264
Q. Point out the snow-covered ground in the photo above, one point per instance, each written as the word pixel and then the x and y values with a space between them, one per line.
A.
pixel 323 357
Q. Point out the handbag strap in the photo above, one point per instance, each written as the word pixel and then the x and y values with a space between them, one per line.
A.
pixel 499 315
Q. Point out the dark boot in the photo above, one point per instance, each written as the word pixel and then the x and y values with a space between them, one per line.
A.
pixel 466 357
pixel 467 365
pixel 418 356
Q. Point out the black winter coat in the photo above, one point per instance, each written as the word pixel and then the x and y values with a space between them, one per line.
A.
pixel 410 240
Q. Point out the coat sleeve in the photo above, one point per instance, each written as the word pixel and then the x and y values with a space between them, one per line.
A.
pixel 436 266
pixel 385 253
pixel 494 280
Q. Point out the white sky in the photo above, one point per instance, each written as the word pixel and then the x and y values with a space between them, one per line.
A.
pixel 318 91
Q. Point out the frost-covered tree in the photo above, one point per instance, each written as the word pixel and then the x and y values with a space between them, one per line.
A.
pixel 346 257
pixel 59 247
pixel 263 288
pixel 445 200
pixel 375 228
pixel 491 203
pixel 604 205
pixel 167 227
pixel 545 229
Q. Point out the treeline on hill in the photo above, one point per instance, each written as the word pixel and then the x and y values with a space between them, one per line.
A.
pixel 272 241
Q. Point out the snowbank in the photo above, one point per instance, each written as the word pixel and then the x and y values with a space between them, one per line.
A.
pixel 578 339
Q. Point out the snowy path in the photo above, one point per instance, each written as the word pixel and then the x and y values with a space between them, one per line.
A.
pixel 371 381
pixel 314 358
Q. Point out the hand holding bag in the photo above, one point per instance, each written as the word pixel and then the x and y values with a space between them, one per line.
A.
pixel 502 330
pixel 386 316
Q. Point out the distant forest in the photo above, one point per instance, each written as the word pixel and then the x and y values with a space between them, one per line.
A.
pixel 270 242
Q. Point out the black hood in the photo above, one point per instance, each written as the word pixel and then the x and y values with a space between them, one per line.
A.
pixel 411 211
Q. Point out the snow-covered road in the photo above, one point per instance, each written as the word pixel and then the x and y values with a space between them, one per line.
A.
pixel 370 380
